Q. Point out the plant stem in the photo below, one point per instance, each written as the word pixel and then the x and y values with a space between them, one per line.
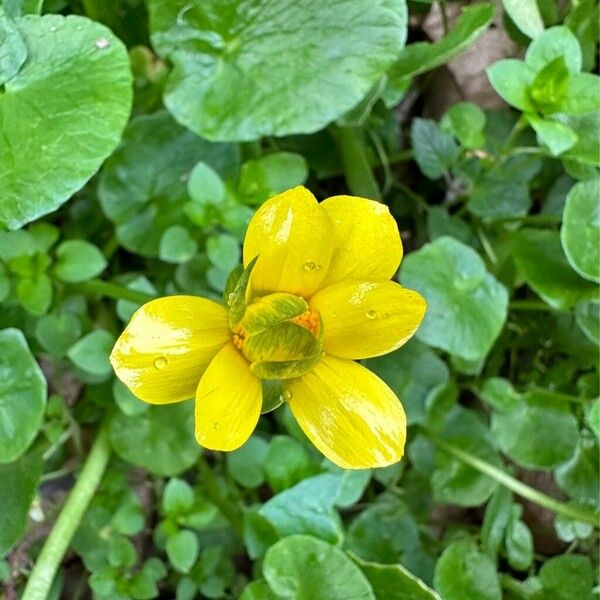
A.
pixel 53 551
pixel 113 290
pixel 516 486
pixel 228 509
pixel 528 305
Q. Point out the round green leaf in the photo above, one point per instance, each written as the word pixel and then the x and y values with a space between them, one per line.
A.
pixel 61 115
pixel 272 52
pixel 205 186
pixel 13 50
pixel 567 577
pixel 305 568
pixel 143 185
pixel 78 260
pixel 541 260
pixel 178 497
pixel 538 432
pixel 245 463
pixel 22 395
pixel 580 232
pixel 462 571
pixel 177 245
pixel 161 440
pixel 587 315
pixel 466 305
pixel 56 333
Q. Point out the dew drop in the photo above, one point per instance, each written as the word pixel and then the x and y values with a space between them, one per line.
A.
pixel 287 395
pixel 160 363
pixel 102 44
pixel 385 315
pixel 310 266
pixel 216 425
pixel 371 314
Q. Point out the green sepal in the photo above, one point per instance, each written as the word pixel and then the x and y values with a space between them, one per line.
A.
pixel 272 395
pixel 286 369
pixel 231 282
pixel 283 342
pixel 237 299
pixel 271 310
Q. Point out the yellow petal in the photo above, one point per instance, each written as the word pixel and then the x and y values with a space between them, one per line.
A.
pixel 364 319
pixel 367 243
pixel 349 414
pixel 167 345
pixel 292 236
pixel 228 402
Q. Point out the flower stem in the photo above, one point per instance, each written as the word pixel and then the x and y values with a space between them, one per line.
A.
pixel 516 486
pixel 227 508
pixel 53 551
pixel 113 290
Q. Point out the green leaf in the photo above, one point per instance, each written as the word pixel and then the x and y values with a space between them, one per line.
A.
pixel 68 57
pixel 466 122
pixel 263 177
pixel 350 44
pixel 395 582
pixel 423 56
pixel 512 78
pixel 22 395
pixel 91 353
pixel 182 549
pixel 567 577
pixel 587 315
pixel 178 497
pixel 78 260
pixel 56 333
pixel 582 94
pixel 467 306
pixel 551 44
pixel 495 521
pixel 557 137
pixel 550 85
pixel 307 508
pixel 236 301
pixel 525 15
pixel 35 293
pixel 143 189
pixel 246 463
pixel 161 440
pixel 13 50
pixel 19 484
pixel 205 186
pixel 286 463
pixel 435 151
pixel 304 568
pixel 385 532
pixel 412 372
pixel 518 541
pixel 223 251
pixel 582 20
pixel 538 432
pixel 177 245
pixel 542 262
pixel 258 590
pixel 593 417
pixel 503 190
pixel 259 534
pixel 462 571
pixel 580 230
pixel 579 477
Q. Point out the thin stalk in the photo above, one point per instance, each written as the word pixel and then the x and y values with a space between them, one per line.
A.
pixel 112 290
pixel 516 486
pixel 227 508
pixel 53 551
pixel 530 305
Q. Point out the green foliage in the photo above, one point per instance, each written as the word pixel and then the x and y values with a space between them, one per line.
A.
pixel 138 138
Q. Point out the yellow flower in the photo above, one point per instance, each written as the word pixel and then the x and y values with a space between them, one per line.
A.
pixel 315 296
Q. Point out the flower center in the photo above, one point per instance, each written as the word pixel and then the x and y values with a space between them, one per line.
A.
pixel 280 336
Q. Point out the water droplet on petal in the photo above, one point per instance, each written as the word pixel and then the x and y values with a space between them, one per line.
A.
pixel 160 363
pixel 310 266
pixel 385 315
pixel 216 425
pixel 287 395
pixel 371 314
